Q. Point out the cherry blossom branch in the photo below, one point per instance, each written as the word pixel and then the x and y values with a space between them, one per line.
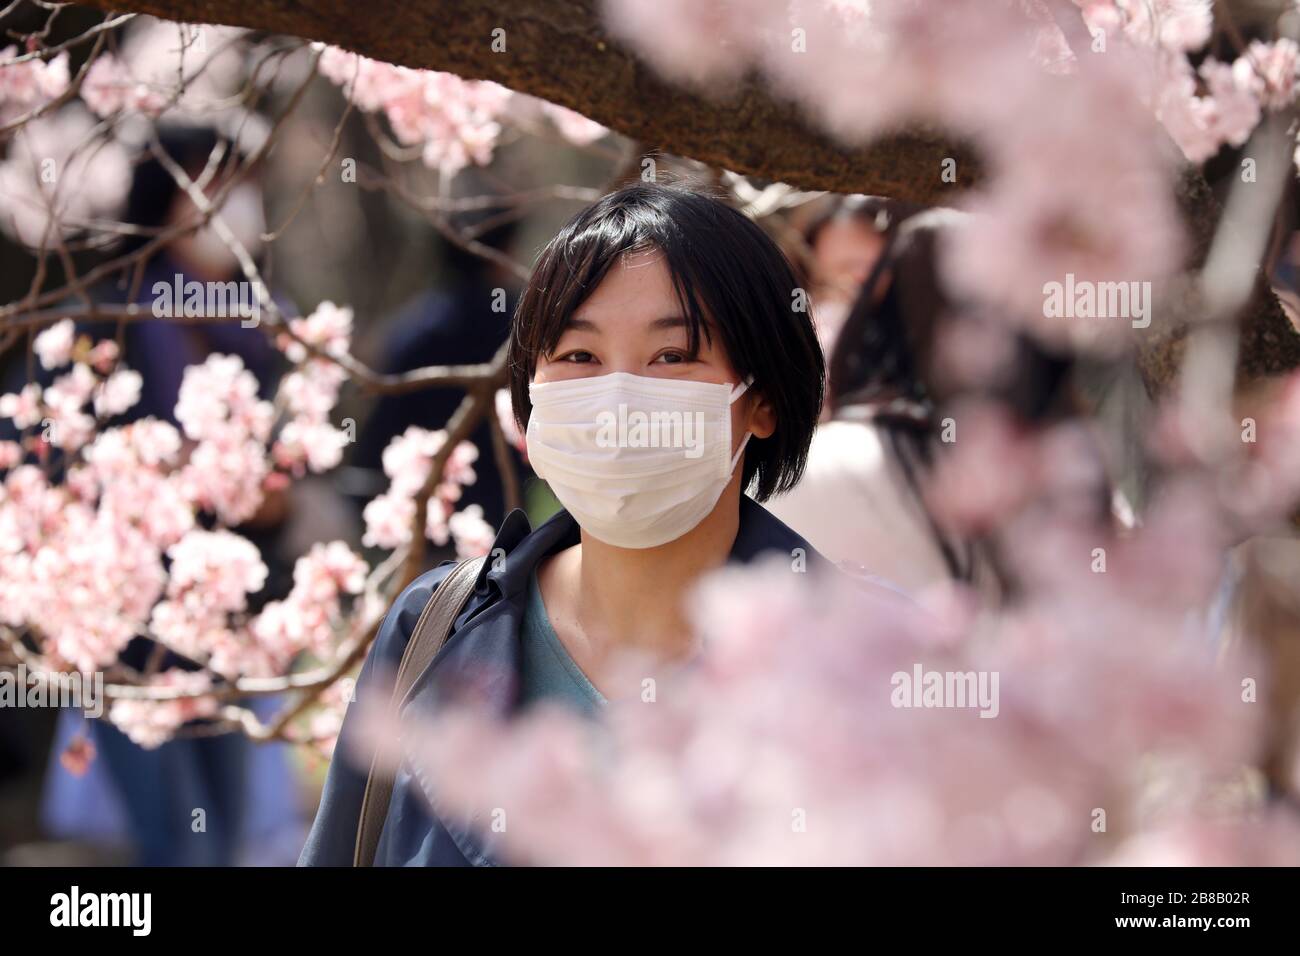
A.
pixel 47 52
pixel 479 400
pixel 74 86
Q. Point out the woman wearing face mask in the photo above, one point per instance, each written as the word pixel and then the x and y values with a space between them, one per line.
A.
pixel 655 305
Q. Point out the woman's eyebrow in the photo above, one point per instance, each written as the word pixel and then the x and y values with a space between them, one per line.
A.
pixel 575 324
pixel 668 322
pixel 578 324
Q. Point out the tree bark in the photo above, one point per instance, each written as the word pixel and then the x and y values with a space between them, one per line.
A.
pixel 559 50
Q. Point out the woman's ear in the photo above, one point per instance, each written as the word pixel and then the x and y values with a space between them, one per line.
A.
pixel 762 418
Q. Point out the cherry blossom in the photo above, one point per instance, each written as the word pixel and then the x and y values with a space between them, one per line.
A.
pixel 510 429
pixel 454 120
pixel 710 773
pixel 54 345
pixel 24 406
pixel 473 535
pixel 573 126
pixel 109 87
pixel 60 173
pixel 1276 65
pixel 151 724
pixel 328 328
pixel 30 84
pixel 119 391
pixel 408 461
pixel 309 618
pixel 311 390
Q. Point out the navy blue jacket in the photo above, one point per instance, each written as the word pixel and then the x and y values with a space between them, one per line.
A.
pixel 484 641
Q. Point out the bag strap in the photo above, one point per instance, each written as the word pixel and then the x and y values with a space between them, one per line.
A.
pixel 431 632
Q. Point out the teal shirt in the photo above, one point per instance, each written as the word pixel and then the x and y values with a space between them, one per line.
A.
pixel 548 672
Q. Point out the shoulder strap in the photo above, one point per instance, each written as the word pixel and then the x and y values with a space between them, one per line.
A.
pixel 431 632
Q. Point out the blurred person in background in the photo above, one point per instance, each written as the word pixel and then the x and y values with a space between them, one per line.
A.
pixel 872 458
pixel 146 799
pixel 463 320
pixel 841 243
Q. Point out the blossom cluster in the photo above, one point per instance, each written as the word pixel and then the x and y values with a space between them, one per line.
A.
pixel 28 84
pixel 456 122
pixel 113 544
pixel 408 462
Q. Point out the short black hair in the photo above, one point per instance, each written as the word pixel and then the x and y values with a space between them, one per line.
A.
pixel 731 279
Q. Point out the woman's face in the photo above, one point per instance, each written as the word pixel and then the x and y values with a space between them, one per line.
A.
pixel 843 256
pixel 634 323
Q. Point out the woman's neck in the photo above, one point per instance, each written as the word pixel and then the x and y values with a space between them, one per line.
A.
pixel 604 600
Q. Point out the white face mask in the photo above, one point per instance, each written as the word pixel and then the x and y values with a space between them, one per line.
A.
pixel 637 461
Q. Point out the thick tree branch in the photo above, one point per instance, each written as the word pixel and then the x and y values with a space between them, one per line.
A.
pixel 560 51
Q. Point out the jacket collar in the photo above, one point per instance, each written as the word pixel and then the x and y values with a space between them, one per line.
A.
pixel 517 549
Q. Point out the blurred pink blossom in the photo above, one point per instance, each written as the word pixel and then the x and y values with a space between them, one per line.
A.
pixel 119 391
pixel 30 84
pixel 573 126
pixel 473 535
pixel 109 87
pixel 60 172
pixel 708 771
pixel 151 724
pixel 54 345
pixel 455 120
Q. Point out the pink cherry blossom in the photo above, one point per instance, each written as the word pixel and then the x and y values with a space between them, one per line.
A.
pixel 473 535
pixel 103 356
pixel 318 445
pixel 329 328
pixel 408 461
pixel 109 87
pixel 93 176
pixel 573 126
pixel 311 616
pixel 455 120
pixel 30 84
pixel 54 345
pixel 77 577
pixel 218 400
pixel 210 577
pixel 151 724
pixel 23 406
pixel 694 43
pixel 119 391
pixel 227 567
pixel 218 407
pixel 71 391
pixel 707 772
pixel 506 418
pixel 388 520
pixel 1276 65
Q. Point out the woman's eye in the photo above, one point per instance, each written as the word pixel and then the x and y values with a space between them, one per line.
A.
pixel 578 358
pixel 672 358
